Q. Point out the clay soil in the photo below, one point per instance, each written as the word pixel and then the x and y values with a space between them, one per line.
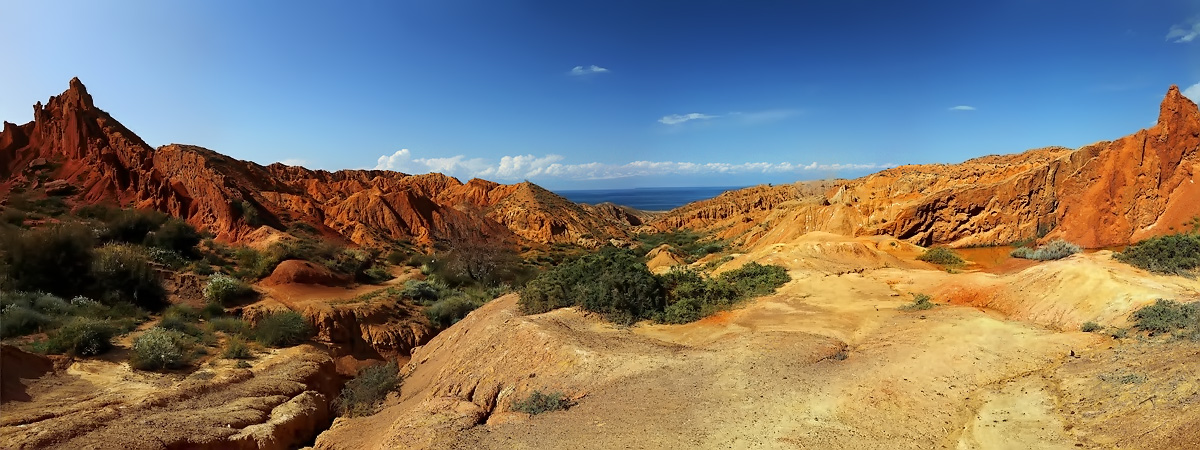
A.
pixel 830 361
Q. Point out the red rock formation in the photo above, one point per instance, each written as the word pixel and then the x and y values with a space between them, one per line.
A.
pixel 72 140
pixel 1104 194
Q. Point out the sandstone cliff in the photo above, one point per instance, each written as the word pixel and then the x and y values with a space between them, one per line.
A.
pixel 1104 194
pixel 71 142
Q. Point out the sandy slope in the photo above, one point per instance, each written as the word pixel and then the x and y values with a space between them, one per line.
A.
pixel 767 375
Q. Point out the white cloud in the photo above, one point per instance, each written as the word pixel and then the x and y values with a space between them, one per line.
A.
pixel 1185 32
pixel 766 116
pixel 580 70
pixel 963 108
pixel 511 168
pixel 402 161
pixel 294 162
pixel 675 119
pixel 1193 92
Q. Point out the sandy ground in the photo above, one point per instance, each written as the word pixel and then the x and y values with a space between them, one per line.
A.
pixel 828 362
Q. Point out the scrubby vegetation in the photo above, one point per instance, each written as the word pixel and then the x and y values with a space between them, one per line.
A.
pixel 82 336
pixel 920 302
pixel 691 243
pixel 362 395
pixel 1056 249
pixel 236 348
pixel 26 313
pixel 122 273
pixel 942 256
pixel 160 348
pixel 282 329
pixel 617 284
pixel 55 259
pixel 538 402
pixel 1089 327
pixel 362 265
pixel 226 290
pixel 1175 254
pixel 1169 316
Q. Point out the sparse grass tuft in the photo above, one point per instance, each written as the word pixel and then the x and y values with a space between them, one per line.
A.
pixel 236 349
pixel 941 255
pixel 538 402
pixel 1089 327
pixel 1166 316
pixel 1057 249
pixel 282 329
pixel 920 302
pixel 362 395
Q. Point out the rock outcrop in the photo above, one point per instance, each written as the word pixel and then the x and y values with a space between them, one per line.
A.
pixel 1104 194
pixel 75 149
pixel 283 402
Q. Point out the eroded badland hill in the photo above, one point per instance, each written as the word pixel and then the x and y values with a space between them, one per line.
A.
pixel 838 357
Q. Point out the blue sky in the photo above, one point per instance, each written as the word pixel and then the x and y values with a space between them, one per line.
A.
pixel 584 94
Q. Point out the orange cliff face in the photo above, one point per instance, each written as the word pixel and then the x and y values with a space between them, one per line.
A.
pixel 72 140
pixel 1104 194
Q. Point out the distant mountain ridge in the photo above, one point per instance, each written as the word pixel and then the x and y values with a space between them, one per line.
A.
pixel 1104 194
pixel 72 140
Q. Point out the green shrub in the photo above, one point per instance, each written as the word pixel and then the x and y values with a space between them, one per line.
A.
pixel 687 241
pixel 942 256
pixel 236 349
pixel 754 279
pixel 18 320
pixel 691 296
pixel 131 225
pixel 82 337
pixel 168 258
pixel 448 311
pixel 177 236
pixel 377 274
pixel 202 267
pixel 397 257
pixel 421 290
pixel 616 284
pixel 1177 254
pixel 538 403
pixel 55 259
pixel 1089 327
pixel 254 264
pixel 920 302
pixel 247 212
pixel 123 274
pixel 362 395
pixel 1056 249
pixel 226 290
pixel 282 329
pixel 158 349
pixel 1165 316
pixel 242 365
pixel 230 326
pixel 1119 333
pixel 212 310
pixel 182 325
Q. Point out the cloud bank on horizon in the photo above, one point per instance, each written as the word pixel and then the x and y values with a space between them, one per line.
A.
pixel 551 166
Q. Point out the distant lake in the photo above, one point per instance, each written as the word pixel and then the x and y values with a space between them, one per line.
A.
pixel 646 199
